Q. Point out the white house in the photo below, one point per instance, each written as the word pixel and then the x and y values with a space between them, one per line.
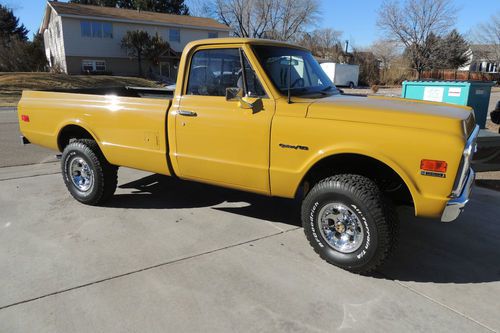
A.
pixel 87 39
pixel 482 58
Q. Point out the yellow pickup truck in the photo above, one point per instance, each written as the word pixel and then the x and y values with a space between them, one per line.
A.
pixel 261 116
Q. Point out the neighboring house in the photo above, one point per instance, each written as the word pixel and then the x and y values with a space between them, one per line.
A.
pixel 483 58
pixel 87 39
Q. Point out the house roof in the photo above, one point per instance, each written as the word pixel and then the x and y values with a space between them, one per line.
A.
pixel 132 15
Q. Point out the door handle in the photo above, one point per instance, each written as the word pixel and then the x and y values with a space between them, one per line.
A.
pixel 187 113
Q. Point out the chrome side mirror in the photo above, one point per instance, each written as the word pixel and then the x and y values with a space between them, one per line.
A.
pixel 236 94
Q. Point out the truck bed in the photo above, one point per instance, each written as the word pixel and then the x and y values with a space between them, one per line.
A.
pixel 129 124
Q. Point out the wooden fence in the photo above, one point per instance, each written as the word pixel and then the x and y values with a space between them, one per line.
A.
pixel 450 74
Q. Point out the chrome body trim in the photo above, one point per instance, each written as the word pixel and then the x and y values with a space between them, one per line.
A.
pixel 455 206
pixel 463 170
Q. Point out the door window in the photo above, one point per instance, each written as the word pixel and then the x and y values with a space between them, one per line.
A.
pixel 212 71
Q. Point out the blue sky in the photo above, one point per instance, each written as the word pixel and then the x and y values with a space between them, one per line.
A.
pixel 355 18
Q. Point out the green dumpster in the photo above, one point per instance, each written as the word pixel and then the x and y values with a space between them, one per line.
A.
pixel 475 94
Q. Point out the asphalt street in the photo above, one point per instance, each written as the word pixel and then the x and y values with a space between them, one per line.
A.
pixel 173 256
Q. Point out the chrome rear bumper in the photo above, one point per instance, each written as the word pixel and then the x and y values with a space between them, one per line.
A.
pixel 455 206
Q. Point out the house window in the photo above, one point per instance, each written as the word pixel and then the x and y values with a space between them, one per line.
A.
pixel 93 66
pixel 96 29
pixel 87 66
pixel 107 30
pixel 85 27
pixel 213 35
pixel 100 66
pixel 174 35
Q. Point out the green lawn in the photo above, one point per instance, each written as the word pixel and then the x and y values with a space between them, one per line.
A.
pixel 12 84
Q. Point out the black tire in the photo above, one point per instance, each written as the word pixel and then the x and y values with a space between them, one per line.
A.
pixel 104 176
pixel 351 85
pixel 376 218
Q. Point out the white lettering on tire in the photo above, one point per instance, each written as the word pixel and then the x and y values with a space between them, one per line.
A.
pixel 311 220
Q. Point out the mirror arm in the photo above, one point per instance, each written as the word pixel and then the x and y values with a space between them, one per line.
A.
pixel 248 104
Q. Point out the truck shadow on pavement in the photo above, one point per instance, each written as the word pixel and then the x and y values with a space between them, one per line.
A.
pixel 464 251
pixel 161 192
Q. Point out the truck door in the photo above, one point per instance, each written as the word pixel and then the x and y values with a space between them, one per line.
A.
pixel 218 140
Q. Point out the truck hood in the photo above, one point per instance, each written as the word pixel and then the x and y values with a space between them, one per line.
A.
pixel 393 111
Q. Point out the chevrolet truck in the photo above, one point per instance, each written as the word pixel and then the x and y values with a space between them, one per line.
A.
pixel 262 116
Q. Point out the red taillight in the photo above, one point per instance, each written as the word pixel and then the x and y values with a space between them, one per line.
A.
pixel 25 118
pixel 433 165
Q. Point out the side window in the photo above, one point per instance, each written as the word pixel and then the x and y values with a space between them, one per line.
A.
pixel 212 71
pixel 174 35
pixel 97 29
pixel 85 29
pixel 253 86
pixel 107 30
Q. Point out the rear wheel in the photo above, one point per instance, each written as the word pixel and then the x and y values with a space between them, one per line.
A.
pixel 348 223
pixel 87 174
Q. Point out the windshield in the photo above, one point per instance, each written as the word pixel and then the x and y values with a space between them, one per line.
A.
pixel 297 68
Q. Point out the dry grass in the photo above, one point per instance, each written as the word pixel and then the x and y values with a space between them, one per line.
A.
pixel 12 84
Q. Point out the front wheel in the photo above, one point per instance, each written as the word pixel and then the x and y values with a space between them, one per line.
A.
pixel 348 223
pixel 87 174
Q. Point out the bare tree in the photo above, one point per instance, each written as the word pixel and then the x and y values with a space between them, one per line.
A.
pixel 488 34
pixel 386 51
pixel 413 22
pixel 279 20
pixel 324 43
pixel 201 8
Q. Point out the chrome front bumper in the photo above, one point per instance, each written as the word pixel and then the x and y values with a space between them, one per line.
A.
pixel 455 206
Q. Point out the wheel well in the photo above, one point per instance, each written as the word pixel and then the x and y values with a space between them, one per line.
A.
pixel 70 132
pixel 390 183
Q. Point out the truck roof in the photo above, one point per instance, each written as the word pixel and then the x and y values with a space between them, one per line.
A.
pixel 239 40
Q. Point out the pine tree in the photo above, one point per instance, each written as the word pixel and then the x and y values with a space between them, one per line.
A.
pixel 177 7
pixel 9 26
pixel 454 49
pixel 136 43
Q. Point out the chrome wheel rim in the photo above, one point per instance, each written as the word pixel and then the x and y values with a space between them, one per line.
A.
pixel 341 227
pixel 81 174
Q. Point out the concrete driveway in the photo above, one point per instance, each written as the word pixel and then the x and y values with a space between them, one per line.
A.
pixel 172 256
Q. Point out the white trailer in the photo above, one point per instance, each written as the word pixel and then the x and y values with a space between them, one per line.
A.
pixel 342 74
